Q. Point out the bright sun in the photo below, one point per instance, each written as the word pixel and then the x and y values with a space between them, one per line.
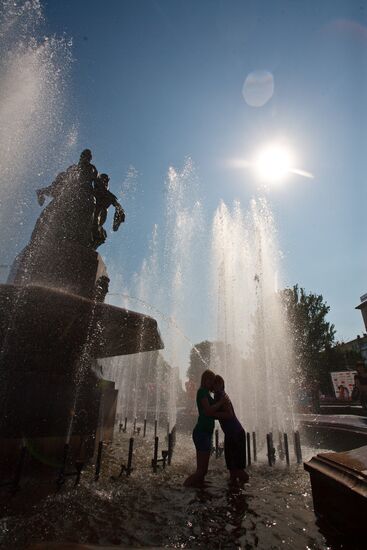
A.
pixel 273 163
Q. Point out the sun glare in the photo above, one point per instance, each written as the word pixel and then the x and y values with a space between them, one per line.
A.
pixel 273 163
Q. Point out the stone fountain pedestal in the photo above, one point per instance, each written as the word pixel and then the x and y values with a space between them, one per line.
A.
pixel 54 326
pixel 339 489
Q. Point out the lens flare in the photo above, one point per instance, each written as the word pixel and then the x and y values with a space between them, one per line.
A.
pixel 273 163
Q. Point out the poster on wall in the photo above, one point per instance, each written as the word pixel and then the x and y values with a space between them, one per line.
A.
pixel 343 383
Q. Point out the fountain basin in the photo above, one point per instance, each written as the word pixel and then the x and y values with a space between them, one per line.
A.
pixel 34 314
pixel 339 489
pixel 50 342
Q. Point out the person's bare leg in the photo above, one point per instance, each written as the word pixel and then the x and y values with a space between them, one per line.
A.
pixel 202 462
pixel 238 476
pixel 233 477
pixel 242 476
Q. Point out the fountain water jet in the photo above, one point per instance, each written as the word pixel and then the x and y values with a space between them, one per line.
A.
pixel 233 271
pixel 253 350
pixel 36 129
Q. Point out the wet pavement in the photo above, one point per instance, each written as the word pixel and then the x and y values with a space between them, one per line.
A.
pixel 274 510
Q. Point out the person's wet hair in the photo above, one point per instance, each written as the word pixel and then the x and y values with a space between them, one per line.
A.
pixel 206 376
pixel 219 381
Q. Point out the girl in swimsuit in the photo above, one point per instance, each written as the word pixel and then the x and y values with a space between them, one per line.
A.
pixel 234 434
pixel 203 431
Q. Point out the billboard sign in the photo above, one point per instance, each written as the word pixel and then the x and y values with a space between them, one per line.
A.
pixel 343 383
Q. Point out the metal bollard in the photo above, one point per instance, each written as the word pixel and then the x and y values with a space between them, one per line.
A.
pixel 254 450
pixel 270 463
pixel 286 449
pixel 164 458
pixel 155 455
pixel 156 460
pixel 98 461
pixel 78 467
pixel 173 433
pixel 216 443
pixel 125 425
pixel 170 448
pixel 155 428
pixel 145 427
pixel 280 447
pixel 248 438
pixel 297 447
pixel 271 450
pixel 62 472
pixel 61 477
pixel 129 469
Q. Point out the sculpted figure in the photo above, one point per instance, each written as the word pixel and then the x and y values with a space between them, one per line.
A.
pixel 77 178
pixel 78 209
pixel 104 199
pixel 70 214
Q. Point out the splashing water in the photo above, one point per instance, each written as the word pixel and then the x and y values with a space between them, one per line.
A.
pixel 232 272
pixel 165 284
pixel 253 350
pixel 35 134
pixel 227 283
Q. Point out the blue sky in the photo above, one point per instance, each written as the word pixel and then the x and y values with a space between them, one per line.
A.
pixel 156 81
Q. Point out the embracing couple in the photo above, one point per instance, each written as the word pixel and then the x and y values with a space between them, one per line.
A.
pixel 219 408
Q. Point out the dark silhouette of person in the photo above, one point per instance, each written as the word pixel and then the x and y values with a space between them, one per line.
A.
pixel 360 383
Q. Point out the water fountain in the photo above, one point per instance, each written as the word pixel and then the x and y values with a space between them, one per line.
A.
pixel 253 351
pixel 54 324
pixel 56 330
pixel 227 277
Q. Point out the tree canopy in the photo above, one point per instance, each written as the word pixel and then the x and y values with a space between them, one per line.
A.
pixel 313 335
pixel 199 360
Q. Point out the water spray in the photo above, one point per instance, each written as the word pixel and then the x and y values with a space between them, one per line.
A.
pixel 155 454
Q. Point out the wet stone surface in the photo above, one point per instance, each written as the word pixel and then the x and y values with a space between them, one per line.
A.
pixel 274 510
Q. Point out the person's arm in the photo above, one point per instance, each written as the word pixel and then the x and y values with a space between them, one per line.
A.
pixel 210 410
pixel 223 415
pixel 226 413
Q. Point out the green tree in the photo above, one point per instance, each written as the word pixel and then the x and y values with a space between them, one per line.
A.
pixel 199 361
pixel 334 359
pixel 313 335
